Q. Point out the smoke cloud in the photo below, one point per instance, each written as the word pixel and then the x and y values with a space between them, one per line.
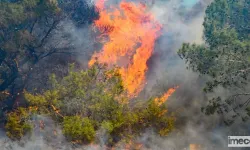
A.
pixel 181 22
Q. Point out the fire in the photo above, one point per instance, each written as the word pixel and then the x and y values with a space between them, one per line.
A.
pixel 195 147
pixel 164 98
pixel 129 34
pixel 133 145
pixel 5 93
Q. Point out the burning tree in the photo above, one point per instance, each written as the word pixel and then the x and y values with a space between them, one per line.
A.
pixel 85 102
pixel 129 33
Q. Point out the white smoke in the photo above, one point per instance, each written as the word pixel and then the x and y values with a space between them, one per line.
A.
pixel 180 24
pixel 184 24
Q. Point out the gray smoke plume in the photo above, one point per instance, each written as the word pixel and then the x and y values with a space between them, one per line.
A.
pixel 182 22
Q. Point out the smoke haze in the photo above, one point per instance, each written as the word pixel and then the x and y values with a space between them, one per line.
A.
pixel 181 22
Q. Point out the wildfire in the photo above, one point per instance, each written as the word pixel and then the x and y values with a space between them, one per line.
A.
pixel 195 147
pixel 164 98
pixel 5 93
pixel 128 34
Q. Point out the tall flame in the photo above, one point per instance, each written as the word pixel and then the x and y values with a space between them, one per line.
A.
pixel 160 100
pixel 130 33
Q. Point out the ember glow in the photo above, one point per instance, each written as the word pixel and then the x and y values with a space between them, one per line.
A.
pixel 128 33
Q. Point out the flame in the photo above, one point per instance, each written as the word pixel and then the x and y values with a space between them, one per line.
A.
pixel 129 34
pixel 195 147
pixel 133 145
pixel 164 98
pixel 5 93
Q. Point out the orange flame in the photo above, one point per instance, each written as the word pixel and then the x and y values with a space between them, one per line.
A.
pixel 131 32
pixel 195 147
pixel 164 98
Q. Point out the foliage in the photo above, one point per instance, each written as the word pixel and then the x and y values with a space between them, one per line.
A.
pixel 27 28
pixel 17 123
pixel 88 101
pixel 83 102
pixel 81 12
pixel 19 40
pixel 225 55
pixel 226 15
pixel 78 128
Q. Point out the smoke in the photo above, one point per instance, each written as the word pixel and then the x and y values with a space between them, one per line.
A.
pixel 45 135
pixel 180 25
pixel 181 22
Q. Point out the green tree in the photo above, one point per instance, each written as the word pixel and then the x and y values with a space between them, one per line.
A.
pixel 78 128
pixel 225 55
pixel 26 31
pixel 20 45
pixel 85 102
pixel 17 123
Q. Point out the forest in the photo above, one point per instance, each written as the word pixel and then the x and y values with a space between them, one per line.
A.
pixel 123 74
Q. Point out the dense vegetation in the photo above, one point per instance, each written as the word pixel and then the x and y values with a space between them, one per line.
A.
pixel 83 103
pixel 26 37
pixel 225 56
pixel 86 102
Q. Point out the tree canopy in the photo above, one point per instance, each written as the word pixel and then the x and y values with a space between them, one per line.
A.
pixel 84 103
pixel 27 28
pixel 225 55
